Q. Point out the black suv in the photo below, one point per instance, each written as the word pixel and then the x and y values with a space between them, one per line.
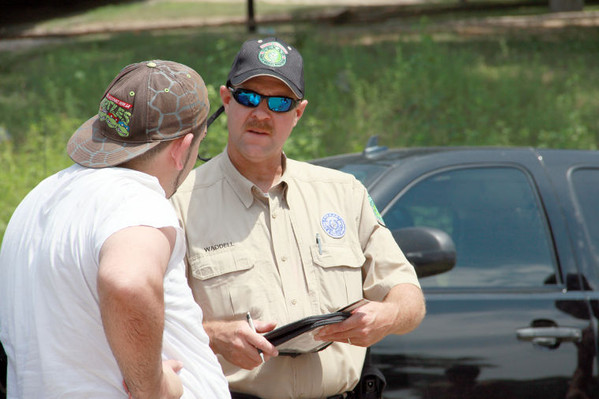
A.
pixel 517 315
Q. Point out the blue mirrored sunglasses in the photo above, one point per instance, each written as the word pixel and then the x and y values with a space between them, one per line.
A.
pixel 252 99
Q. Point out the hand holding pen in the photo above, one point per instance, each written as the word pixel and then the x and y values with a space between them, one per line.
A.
pixel 248 316
pixel 236 341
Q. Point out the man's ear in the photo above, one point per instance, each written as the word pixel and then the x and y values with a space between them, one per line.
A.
pixel 299 111
pixel 179 149
pixel 225 96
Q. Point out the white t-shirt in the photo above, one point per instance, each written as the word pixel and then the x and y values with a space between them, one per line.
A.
pixel 50 322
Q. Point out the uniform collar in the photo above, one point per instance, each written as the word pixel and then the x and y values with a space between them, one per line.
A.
pixel 241 186
pixel 244 187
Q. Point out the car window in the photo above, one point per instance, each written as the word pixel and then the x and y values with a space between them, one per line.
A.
pixel 366 173
pixel 495 219
pixel 586 189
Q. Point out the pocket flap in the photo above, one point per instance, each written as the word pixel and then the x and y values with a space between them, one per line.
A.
pixel 337 255
pixel 207 265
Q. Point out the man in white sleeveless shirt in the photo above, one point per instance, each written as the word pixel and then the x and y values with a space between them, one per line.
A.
pixel 94 301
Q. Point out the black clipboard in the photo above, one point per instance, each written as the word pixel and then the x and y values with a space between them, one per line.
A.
pixel 297 337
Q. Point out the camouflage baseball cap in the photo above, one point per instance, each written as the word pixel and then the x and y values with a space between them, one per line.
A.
pixel 147 103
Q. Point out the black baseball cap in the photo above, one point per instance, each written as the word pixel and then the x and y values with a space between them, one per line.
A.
pixel 269 57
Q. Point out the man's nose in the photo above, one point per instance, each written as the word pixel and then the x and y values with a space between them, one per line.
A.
pixel 261 111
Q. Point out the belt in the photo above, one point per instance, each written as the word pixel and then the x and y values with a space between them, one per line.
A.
pixel 344 395
pixel 237 395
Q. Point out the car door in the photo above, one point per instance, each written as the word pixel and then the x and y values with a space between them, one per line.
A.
pixel 511 319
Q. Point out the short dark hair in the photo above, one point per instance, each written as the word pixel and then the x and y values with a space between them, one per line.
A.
pixel 151 153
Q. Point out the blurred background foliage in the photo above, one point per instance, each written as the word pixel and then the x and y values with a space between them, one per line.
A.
pixel 404 80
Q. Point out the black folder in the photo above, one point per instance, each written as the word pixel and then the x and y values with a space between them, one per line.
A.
pixel 297 337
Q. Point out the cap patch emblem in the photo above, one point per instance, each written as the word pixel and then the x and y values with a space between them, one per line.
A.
pixel 333 225
pixel 116 113
pixel 273 54
pixel 379 218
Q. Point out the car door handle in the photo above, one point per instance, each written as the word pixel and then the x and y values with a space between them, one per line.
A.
pixel 549 336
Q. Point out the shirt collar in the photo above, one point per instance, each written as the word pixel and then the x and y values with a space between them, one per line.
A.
pixel 243 187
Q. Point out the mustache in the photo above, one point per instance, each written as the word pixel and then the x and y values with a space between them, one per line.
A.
pixel 258 125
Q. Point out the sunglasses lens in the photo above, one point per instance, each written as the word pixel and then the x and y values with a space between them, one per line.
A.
pixel 251 99
pixel 280 104
pixel 247 98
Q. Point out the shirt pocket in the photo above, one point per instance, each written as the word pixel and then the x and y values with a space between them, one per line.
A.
pixel 207 265
pixel 338 269
pixel 226 283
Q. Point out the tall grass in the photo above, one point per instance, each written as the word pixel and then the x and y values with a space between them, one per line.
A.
pixel 514 90
pixel 412 90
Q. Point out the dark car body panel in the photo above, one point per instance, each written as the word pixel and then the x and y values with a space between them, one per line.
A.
pixel 473 342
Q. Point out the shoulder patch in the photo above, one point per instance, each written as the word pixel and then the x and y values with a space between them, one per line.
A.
pixel 379 218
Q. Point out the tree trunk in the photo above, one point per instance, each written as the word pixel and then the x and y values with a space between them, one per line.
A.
pixel 565 5
pixel 251 20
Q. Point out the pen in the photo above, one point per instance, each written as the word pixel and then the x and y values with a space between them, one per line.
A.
pixel 319 243
pixel 248 317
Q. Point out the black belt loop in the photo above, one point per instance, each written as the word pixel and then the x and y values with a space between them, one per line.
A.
pixel 238 395
pixel 344 395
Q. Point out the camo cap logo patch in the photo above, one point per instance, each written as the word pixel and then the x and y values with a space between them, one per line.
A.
pixel 273 54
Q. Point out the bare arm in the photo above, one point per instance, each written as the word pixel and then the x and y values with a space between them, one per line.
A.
pixel 133 262
pixel 400 312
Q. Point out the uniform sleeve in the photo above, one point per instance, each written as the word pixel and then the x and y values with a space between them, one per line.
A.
pixel 385 266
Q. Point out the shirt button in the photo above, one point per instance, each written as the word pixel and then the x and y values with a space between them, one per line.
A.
pixel 274 215
pixel 283 258
pixel 294 301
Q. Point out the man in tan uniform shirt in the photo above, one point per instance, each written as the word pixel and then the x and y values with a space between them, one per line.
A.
pixel 284 239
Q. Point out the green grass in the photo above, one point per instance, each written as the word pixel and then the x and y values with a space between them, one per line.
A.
pixel 412 89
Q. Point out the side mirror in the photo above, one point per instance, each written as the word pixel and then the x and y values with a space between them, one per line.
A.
pixel 430 250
